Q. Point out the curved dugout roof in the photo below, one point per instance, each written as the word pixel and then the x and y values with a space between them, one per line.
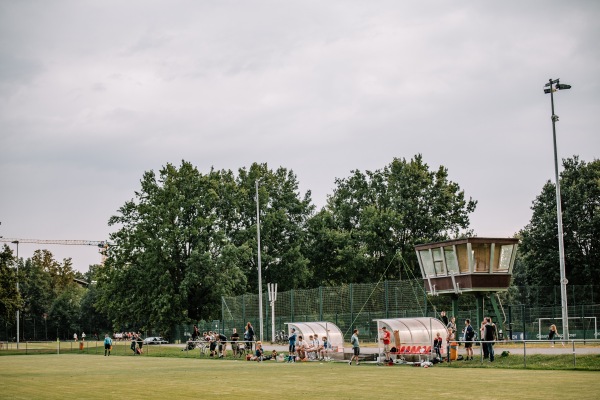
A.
pixel 321 328
pixel 414 331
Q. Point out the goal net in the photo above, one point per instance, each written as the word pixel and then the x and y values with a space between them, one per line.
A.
pixel 578 328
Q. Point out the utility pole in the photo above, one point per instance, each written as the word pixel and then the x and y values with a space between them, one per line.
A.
pixel 260 310
pixel 561 245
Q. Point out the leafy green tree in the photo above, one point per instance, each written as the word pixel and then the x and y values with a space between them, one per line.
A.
pixel 189 238
pixel 172 258
pixel 43 282
pixel 10 300
pixel 283 218
pixel 538 263
pixel 92 320
pixel 65 311
pixel 60 275
pixel 35 289
pixel 374 218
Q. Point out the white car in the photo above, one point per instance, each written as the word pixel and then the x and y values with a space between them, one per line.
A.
pixel 155 340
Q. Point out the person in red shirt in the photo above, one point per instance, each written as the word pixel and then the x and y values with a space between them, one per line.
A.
pixel 385 338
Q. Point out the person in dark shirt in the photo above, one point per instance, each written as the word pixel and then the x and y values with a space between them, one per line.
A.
pixel 437 345
pixel 249 336
pixel 469 335
pixel 292 346
pixel 490 337
pixel 222 345
pixel 444 318
pixel 235 337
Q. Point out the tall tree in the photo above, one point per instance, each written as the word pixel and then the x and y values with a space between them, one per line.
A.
pixel 580 201
pixel 283 217
pixel 10 300
pixel 48 288
pixel 374 218
pixel 65 311
pixel 172 258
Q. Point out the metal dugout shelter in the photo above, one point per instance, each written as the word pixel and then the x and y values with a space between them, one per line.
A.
pixel 321 328
pixel 413 332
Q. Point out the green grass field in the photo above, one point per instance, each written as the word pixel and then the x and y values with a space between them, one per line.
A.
pixel 562 361
pixel 127 377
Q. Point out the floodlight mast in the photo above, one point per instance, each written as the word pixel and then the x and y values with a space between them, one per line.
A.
pixel 18 317
pixel 260 303
pixel 561 244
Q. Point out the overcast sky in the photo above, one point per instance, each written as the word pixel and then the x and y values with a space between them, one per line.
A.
pixel 95 93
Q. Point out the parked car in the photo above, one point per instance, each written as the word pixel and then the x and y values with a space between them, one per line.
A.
pixel 155 340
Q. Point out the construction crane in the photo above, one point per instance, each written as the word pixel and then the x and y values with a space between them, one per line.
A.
pixel 102 245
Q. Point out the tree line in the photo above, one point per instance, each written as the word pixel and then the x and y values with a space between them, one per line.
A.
pixel 186 238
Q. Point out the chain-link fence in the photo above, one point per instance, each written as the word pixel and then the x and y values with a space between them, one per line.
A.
pixel 523 310
pixel 526 312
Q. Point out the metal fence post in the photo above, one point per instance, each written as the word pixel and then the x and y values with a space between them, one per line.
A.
pixel 510 331
pixel 243 309
pixel 387 302
pixel 351 307
pixel 292 304
pixel 320 303
pixel 523 318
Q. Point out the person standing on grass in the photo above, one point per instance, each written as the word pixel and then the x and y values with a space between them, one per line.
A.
pixel 133 345
pixel 222 345
pixel 292 346
pixel 490 337
pixel 482 337
pixel 140 342
pixel 386 339
pixel 469 335
pixel 75 337
pixel 107 344
pixel 83 336
pixel 235 337
pixel 355 347
pixel 250 335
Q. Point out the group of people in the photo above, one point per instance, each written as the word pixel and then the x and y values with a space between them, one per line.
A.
pixel 217 342
pixel 137 343
pixel 75 338
pixel 259 354
pixel 488 333
pixel 118 336
pixel 305 350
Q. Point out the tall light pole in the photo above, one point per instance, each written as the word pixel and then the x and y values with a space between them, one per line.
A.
pixel 17 243
pixel 260 311
pixel 551 87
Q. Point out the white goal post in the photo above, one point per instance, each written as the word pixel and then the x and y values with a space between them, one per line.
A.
pixel 559 335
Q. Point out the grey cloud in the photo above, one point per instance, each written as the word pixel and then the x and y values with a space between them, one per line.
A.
pixel 101 92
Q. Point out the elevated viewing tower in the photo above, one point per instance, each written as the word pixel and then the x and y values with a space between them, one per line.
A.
pixel 482 266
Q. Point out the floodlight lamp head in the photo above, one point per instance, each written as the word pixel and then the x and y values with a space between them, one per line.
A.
pixel 562 86
pixel 550 90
